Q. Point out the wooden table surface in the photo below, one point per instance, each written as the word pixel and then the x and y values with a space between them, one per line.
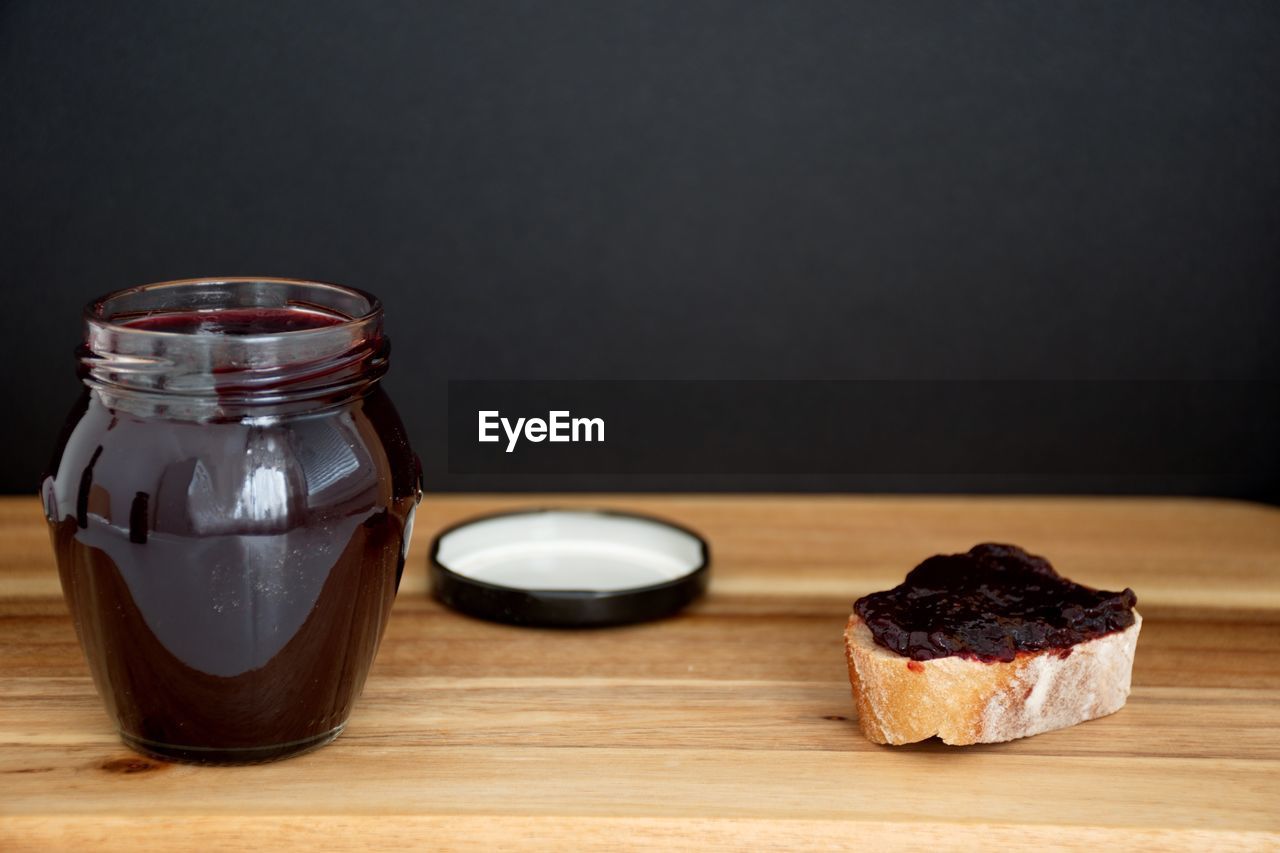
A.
pixel 729 726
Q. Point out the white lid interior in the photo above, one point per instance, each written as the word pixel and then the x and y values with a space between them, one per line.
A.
pixel 570 550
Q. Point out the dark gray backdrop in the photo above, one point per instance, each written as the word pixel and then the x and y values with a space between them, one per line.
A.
pixel 666 189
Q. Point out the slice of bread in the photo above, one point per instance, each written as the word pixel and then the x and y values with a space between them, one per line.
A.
pixel 966 701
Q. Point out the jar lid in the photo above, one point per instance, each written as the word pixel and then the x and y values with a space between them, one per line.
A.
pixel 568 567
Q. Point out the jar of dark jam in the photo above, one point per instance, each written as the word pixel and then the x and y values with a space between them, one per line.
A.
pixel 230 504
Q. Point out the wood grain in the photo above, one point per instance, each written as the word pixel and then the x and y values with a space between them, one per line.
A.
pixel 728 727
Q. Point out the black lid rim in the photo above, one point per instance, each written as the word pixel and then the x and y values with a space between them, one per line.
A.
pixel 568 607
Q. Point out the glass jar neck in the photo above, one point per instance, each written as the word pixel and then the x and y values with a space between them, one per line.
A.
pixel 211 349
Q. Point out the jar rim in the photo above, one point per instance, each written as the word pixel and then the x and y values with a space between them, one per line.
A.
pixel 95 312
pixel 189 372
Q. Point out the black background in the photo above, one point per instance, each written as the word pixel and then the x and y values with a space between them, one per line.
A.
pixel 731 190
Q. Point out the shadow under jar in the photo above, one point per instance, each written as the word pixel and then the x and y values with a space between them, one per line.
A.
pixel 230 505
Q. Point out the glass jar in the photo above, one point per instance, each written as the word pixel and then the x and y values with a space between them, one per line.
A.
pixel 230 504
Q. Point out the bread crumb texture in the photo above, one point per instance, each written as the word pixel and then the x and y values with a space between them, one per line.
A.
pixel 965 701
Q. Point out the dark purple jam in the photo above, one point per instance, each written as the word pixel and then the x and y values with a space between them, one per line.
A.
pixel 220 630
pixel 989 605
pixel 235 321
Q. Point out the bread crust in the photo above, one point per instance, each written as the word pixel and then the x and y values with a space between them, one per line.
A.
pixel 965 701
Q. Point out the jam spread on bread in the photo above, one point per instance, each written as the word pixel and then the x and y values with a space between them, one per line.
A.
pixel 990 604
